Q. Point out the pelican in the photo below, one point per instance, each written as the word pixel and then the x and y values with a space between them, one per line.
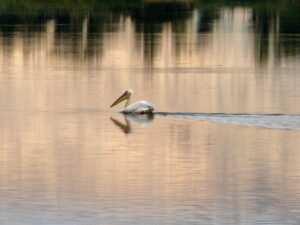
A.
pixel 139 107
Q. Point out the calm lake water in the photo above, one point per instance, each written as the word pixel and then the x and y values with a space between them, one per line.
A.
pixel 224 147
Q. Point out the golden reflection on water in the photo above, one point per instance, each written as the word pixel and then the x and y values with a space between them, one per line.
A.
pixel 205 72
pixel 210 166
pixel 60 147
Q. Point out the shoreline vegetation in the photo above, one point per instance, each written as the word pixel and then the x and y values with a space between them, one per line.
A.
pixel 36 11
pixel 94 6
pixel 264 12
pixel 267 17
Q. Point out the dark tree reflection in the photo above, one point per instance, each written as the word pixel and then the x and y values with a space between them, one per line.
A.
pixel 206 18
pixel 83 32
pixel 269 26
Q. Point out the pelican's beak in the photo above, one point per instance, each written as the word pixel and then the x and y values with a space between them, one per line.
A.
pixel 120 99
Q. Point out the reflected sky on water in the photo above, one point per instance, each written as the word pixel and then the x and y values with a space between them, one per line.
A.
pixel 66 158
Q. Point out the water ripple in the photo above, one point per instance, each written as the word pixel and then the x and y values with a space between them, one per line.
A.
pixel 275 121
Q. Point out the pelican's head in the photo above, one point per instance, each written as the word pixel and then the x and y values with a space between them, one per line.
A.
pixel 124 96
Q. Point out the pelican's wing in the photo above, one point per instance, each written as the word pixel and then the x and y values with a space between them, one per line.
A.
pixel 139 107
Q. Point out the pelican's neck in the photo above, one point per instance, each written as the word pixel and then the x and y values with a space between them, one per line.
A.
pixel 127 102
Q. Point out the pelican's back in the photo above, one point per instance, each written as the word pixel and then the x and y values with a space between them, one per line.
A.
pixel 139 107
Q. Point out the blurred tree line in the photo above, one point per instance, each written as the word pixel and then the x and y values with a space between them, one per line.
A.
pixel 280 17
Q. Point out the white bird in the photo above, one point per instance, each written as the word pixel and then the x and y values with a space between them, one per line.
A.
pixel 139 107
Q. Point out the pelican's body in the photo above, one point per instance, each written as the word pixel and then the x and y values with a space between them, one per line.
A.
pixel 139 107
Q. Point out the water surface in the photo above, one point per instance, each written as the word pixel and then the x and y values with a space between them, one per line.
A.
pixel 223 76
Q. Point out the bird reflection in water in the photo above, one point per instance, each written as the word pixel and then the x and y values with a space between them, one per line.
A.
pixel 140 119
